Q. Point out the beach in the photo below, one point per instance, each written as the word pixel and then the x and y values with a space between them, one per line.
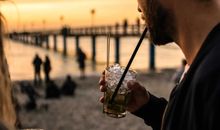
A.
pixel 84 111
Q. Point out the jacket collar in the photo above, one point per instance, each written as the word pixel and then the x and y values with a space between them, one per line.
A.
pixel 206 47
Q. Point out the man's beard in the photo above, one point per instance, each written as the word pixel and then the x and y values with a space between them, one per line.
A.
pixel 160 23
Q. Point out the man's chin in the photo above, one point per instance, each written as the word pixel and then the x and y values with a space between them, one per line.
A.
pixel 159 39
pixel 160 42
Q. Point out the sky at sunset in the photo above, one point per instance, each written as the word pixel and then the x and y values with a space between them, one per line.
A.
pixel 39 14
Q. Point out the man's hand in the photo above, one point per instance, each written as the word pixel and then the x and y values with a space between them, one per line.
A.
pixel 139 95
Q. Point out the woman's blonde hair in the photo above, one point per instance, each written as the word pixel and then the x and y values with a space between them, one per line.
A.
pixel 7 112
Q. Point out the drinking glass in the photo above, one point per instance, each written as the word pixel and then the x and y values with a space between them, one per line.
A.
pixel 117 108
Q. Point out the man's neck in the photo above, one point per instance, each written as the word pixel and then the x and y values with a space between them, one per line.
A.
pixel 193 31
pixel 191 41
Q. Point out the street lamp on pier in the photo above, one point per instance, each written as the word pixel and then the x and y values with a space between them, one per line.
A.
pixel 92 18
pixel 61 20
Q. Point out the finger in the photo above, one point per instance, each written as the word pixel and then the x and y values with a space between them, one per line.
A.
pixel 103 88
pixel 103 73
pixel 132 85
pixel 102 81
pixel 101 99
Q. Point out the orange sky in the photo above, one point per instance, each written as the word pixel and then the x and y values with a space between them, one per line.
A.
pixel 32 13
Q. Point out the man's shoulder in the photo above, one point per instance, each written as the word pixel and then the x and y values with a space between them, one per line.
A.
pixel 207 64
pixel 210 65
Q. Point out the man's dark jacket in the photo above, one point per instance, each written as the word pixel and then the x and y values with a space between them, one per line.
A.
pixel 194 103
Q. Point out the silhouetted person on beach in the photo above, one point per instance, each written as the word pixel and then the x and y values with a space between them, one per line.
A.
pixel 47 68
pixel 81 57
pixel 37 68
pixel 69 86
pixel 52 90
pixel 29 90
pixel 125 26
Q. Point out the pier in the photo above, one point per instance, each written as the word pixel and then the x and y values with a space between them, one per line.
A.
pixel 41 38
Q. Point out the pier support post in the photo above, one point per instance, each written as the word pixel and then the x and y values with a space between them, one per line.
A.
pixel 32 40
pixel 47 41
pixel 77 43
pixel 64 45
pixel 40 40
pixel 23 39
pixel 26 39
pixel 94 49
pixel 55 42
pixel 152 57
pixel 117 49
pixel 36 41
pixel 64 31
pixel 29 40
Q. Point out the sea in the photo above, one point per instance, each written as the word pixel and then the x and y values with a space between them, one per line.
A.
pixel 20 56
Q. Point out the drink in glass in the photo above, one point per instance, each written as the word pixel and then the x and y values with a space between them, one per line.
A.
pixel 117 108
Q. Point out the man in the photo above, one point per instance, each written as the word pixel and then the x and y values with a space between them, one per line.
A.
pixel 194 25
pixel 52 90
pixel 179 72
pixel 37 68
pixel 81 58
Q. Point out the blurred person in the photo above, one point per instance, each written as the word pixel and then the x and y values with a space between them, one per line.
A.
pixel 31 93
pixel 47 68
pixel 52 90
pixel 179 72
pixel 37 69
pixel 81 57
pixel 7 111
pixel 69 86
pixel 125 26
pixel 194 102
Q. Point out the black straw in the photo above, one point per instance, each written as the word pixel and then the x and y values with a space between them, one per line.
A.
pixel 128 65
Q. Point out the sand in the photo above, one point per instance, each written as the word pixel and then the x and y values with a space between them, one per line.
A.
pixel 84 111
